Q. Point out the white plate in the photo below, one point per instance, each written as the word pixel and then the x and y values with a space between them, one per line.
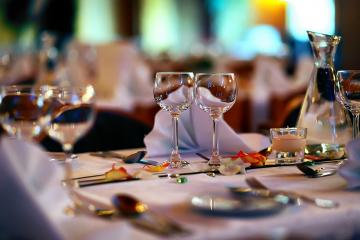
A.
pixel 248 206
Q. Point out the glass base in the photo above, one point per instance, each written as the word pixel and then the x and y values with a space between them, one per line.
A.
pixel 289 157
pixel 176 161
pixel 215 160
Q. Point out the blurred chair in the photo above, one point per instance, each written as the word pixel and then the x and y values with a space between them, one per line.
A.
pixel 290 112
pixel 272 88
pixel 288 117
pixel 111 131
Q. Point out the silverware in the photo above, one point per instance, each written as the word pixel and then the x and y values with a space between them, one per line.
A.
pixel 319 202
pixel 98 181
pixel 130 208
pixel 315 172
pixel 140 216
pixel 252 192
pixel 91 180
pixel 137 157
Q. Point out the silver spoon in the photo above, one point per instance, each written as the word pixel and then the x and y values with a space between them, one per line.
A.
pixel 132 209
pixel 140 216
pixel 314 173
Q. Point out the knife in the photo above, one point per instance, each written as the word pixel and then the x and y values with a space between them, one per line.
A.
pixel 133 158
pixel 83 182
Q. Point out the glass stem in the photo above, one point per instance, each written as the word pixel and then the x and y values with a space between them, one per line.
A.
pixel 175 121
pixel 215 137
pixel 356 125
pixel 68 148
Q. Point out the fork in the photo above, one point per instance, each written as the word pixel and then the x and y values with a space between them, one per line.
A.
pixel 319 202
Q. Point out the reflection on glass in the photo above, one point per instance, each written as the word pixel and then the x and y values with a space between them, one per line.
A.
pixel 215 94
pixel 25 111
pixel 348 94
pixel 173 91
pixel 74 117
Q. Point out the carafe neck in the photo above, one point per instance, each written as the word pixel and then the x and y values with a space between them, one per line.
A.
pixel 324 48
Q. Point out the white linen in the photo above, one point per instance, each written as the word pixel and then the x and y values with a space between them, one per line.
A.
pixel 166 197
pixel 195 134
pixel 350 170
pixel 32 199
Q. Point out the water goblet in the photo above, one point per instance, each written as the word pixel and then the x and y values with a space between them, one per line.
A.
pixel 347 91
pixel 215 93
pixel 173 91
pixel 74 116
pixel 25 110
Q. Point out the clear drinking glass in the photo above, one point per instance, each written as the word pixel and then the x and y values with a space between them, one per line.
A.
pixel 347 89
pixel 26 111
pixel 173 91
pixel 215 93
pixel 74 116
pixel 288 144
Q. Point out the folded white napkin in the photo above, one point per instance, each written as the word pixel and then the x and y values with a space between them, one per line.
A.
pixel 195 134
pixel 32 199
pixel 350 170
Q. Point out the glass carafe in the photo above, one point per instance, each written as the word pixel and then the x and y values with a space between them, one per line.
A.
pixel 328 124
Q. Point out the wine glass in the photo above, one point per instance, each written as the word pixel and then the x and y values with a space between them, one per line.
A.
pixel 26 111
pixel 215 93
pixel 74 116
pixel 173 91
pixel 347 91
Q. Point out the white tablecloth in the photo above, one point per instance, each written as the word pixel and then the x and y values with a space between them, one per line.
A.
pixel 166 197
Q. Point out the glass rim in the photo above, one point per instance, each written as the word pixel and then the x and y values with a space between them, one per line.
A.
pixel 43 86
pixel 25 87
pixel 162 73
pixel 216 74
pixel 288 129
pixel 348 71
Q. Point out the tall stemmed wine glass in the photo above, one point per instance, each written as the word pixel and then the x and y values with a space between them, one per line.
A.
pixel 215 93
pixel 26 111
pixel 173 91
pixel 74 117
pixel 347 89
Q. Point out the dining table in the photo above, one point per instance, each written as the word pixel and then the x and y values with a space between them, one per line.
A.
pixel 172 199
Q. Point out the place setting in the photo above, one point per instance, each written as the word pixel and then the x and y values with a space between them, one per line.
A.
pixel 178 120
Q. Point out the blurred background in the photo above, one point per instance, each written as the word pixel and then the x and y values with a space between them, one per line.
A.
pixel 118 46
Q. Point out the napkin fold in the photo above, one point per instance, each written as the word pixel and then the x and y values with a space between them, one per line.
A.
pixel 350 170
pixel 195 135
pixel 32 199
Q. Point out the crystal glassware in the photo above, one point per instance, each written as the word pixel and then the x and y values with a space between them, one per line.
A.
pixel 26 111
pixel 215 93
pixel 288 144
pixel 74 116
pixel 347 89
pixel 328 123
pixel 173 91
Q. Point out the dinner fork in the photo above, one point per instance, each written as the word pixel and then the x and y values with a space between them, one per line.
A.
pixel 319 202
